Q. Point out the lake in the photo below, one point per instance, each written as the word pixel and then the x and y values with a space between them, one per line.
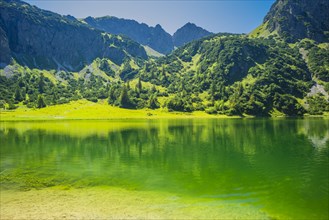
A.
pixel 194 168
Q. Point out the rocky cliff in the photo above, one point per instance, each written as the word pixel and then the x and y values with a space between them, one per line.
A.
pixel 43 39
pixel 294 20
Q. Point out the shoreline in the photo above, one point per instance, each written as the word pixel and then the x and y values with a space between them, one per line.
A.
pixel 117 203
pixel 85 110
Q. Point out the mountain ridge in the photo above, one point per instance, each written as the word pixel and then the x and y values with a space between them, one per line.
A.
pixel 155 37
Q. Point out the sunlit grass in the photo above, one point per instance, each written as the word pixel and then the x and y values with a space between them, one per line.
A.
pixel 83 109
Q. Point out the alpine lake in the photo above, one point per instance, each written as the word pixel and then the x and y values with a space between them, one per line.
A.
pixel 165 168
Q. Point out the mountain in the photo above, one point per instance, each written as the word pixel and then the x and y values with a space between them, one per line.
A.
pixel 297 20
pixel 154 37
pixel 46 40
pixel 260 74
pixel 188 33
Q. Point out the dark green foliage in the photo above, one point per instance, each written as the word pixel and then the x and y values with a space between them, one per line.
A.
pixel 139 85
pixel 211 110
pixel 153 102
pixel 128 72
pixel 288 105
pixel 2 104
pixel 18 95
pixel 178 103
pixel 11 106
pixel 319 63
pixel 63 100
pixel 317 104
pixel 113 94
pixel 124 100
pixel 102 93
pixel 92 99
pixel 274 68
pixel 41 83
pixel 326 87
pixel 41 102
pixel 105 66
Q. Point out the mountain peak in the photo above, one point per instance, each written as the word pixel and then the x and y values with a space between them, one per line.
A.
pixel 295 20
pixel 158 26
pixel 189 24
pixel 188 33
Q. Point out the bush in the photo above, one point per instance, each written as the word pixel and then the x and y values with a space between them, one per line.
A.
pixel 288 105
pixel 30 105
pixel 317 104
pixel 211 110
pixel 12 106
pixel 41 102
pixel 179 104
pixel 92 99
pixel 63 101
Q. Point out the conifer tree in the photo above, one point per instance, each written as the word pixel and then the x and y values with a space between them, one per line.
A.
pixel 124 100
pixel 41 102
pixel 153 102
pixel 18 95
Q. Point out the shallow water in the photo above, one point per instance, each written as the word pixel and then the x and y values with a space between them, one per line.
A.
pixel 276 166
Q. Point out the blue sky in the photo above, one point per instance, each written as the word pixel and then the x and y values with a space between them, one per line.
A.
pixel 235 16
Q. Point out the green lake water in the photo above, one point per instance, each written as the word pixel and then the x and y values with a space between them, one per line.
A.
pixel 279 166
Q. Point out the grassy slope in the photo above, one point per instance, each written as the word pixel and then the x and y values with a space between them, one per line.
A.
pixel 151 52
pixel 83 109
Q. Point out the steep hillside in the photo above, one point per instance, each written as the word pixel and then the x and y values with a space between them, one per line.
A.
pixel 296 20
pixel 233 75
pixel 46 40
pixel 188 33
pixel 154 37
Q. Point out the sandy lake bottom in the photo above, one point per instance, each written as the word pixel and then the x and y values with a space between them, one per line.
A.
pixel 116 203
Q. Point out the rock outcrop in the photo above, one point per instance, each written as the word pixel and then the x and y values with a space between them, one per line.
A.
pixel 295 20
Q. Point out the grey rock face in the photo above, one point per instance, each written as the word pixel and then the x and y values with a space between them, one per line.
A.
pixel 43 39
pixel 295 20
pixel 5 54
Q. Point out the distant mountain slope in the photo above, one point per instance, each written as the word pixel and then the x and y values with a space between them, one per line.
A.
pixel 43 39
pixel 188 33
pixel 296 20
pixel 154 37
